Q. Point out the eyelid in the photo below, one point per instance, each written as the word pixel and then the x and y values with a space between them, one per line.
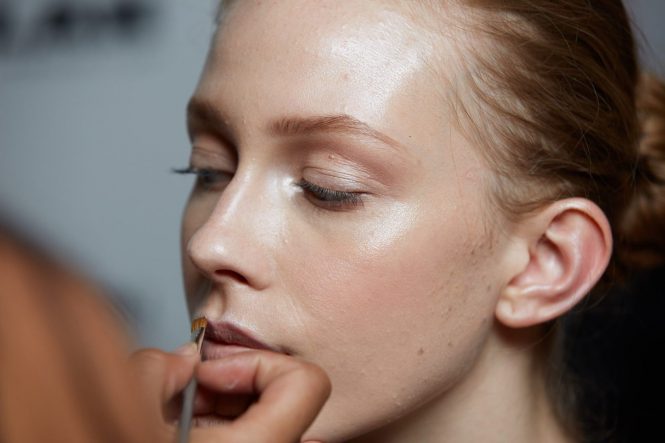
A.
pixel 331 198
pixel 206 178
pixel 335 170
pixel 216 154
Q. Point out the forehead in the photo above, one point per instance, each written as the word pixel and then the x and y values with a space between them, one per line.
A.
pixel 366 58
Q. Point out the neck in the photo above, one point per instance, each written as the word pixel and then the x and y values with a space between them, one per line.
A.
pixel 502 399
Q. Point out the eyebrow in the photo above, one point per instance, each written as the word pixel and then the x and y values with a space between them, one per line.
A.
pixel 204 112
pixel 340 123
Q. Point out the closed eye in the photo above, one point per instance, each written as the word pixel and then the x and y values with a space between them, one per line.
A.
pixel 330 198
pixel 208 179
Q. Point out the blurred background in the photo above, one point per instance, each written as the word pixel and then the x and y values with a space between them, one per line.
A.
pixel 92 102
pixel 92 105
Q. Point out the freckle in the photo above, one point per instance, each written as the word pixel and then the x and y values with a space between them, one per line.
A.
pixel 421 351
pixel 489 288
pixel 450 344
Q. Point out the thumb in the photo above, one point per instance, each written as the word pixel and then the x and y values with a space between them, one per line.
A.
pixel 291 394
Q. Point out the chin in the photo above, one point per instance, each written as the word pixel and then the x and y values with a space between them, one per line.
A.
pixel 329 430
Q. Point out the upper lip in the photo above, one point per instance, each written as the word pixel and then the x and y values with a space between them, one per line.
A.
pixel 229 334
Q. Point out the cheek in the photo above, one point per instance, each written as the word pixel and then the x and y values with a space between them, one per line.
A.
pixel 400 288
pixel 395 319
pixel 399 266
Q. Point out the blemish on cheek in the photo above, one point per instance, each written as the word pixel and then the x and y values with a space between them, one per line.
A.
pixel 450 344
pixel 421 351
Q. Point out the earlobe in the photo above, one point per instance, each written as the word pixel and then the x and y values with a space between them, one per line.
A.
pixel 569 248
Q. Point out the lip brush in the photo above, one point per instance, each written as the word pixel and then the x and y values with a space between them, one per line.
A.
pixel 198 332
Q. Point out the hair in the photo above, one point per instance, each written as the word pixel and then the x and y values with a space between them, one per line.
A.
pixel 557 102
pixel 552 92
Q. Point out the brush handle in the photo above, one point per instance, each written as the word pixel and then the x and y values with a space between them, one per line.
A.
pixel 185 422
pixel 184 425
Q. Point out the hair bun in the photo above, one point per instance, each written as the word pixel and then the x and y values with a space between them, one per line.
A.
pixel 641 239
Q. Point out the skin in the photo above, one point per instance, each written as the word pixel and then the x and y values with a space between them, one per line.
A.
pixel 65 375
pixel 395 297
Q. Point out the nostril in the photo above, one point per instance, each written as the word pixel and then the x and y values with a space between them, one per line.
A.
pixel 231 274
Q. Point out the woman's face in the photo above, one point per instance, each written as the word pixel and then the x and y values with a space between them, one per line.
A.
pixel 339 216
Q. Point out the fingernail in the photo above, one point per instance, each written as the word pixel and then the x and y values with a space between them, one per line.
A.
pixel 186 349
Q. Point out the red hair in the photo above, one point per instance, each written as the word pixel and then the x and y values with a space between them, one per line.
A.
pixel 553 93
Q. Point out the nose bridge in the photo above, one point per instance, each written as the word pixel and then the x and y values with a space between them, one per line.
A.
pixel 232 242
pixel 235 200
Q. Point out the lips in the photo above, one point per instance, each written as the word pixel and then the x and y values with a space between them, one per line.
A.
pixel 223 339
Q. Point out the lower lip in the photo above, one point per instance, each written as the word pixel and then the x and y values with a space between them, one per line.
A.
pixel 213 351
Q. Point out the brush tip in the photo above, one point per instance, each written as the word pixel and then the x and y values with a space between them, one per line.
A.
pixel 199 323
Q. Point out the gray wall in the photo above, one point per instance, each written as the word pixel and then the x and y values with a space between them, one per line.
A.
pixel 649 18
pixel 91 123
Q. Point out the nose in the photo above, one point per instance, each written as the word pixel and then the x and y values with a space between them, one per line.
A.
pixel 234 242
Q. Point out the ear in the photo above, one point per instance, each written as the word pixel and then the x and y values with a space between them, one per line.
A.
pixel 569 246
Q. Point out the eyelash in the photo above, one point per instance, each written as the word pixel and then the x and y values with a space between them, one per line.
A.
pixel 330 198
pixel 205 178
pixel 325 197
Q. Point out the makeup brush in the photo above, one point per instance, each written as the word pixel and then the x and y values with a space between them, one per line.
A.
pixel 198 332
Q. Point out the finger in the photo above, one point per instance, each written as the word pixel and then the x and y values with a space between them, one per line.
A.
pixel 162 376
pixel 234 405
pixel 208 402
pixel 292 392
